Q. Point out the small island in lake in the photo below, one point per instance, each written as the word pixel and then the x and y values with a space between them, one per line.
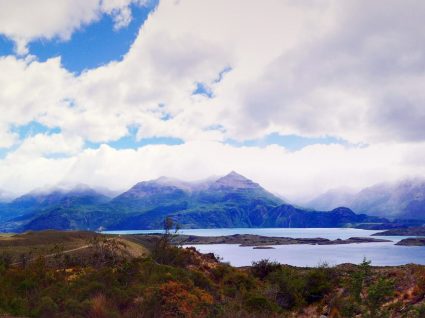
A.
pixel 417 241
pixel 409 231
pixel 265 241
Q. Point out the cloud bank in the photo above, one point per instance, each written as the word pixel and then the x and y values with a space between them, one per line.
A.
pixel 352 70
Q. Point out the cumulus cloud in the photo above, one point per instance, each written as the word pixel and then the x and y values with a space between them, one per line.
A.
pixel 31 91
pixel 360 80
pixel 349 69
pixel 46 145
pixel 24 21
pixel 7 138
pixel 297 175
pixel 312 69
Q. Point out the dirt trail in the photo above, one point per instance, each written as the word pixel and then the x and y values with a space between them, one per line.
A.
pixel 54 254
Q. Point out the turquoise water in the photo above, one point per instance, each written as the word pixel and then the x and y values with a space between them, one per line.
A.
pixel 381 254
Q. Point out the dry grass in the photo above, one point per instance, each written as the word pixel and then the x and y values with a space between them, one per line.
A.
pixel 42 243
pixel 48 242
pixel 5 235
pixel 134 249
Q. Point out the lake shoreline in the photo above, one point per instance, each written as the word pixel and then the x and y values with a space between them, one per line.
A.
pixel 300 255
pixel 258 240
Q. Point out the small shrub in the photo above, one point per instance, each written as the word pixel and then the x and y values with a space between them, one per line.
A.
pixel 290 287
pixel 319 282
pixel 5 261
pixel 173 299
pixel 239 280
pixel 263 268
pixel 377 294
pixel 47 307
pixel 258 303
pixel 359 279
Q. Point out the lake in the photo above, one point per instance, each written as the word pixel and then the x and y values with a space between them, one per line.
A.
pixel 381 254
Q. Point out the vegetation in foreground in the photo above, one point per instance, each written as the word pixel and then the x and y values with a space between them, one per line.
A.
pixel 107 279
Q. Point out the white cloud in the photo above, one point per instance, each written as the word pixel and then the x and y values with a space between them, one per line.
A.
pixel 45 145
pixel 349 69
pixel 360 80
pixel 24 21
pixel 32 91
pixel 7 138
pixel 120 10
pixel 297 175
pixel 313 69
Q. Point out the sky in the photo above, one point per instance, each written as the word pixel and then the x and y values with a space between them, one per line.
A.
pixel 301 96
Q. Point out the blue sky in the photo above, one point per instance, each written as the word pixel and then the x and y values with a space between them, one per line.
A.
pixel 6 46
pixel 94 45
pixel 290 142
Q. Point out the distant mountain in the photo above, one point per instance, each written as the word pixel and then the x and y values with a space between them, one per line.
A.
pixel 288 216
pixel 331 199
pixel 80 195
pixel 234 181
pixel 228 201
pixel 401 200
pixel 5 197
pixel 24 211
pixel 150 194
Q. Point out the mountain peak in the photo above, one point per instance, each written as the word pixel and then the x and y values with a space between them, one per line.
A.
pixel 343 211
pixel 234 174
pixel 235 180
pixel 173 182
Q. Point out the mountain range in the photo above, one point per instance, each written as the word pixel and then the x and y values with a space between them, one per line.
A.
pixel 400 200
pixel 226 202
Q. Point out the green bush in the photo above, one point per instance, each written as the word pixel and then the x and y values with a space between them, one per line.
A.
pixel 290 287
pixel 201 280
pixel 319 282
pixel 418 312
pixel 220 271
pixel 359 279
pixel 263 268
pixel 239 280
pixel 377 293
pixel 258 303
pixel 46 308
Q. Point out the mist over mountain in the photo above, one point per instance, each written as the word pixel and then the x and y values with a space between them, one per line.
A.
pixel 41 204
pixel 228 201
pixel 5 197
pixel 404 199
